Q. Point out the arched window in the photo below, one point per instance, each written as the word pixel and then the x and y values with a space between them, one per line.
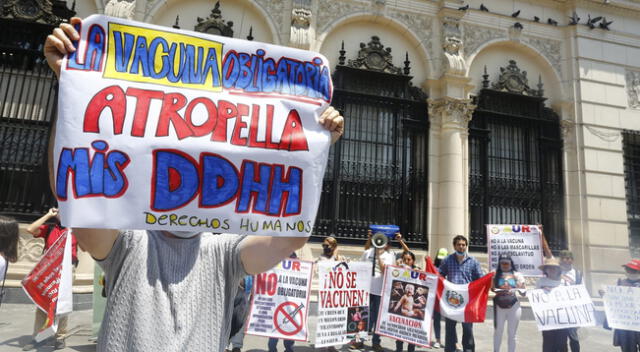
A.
pixel 515 159
pixel 377 172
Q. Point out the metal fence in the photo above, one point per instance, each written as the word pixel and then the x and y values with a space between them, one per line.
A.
pixel 515 166
pixel 27 107
pixel 377 172
pixel 631 149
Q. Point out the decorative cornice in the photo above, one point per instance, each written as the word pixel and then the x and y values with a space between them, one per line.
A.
pixel 550 49
pixel 375 57
pixel 451 112
pixel 633 88
pixel 513 80
pixel 276 10
pixel 329 11
pixel 475 36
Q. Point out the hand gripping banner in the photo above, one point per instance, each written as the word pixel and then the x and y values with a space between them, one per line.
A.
pixel 160 128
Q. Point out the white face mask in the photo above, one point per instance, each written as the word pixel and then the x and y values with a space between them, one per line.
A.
pixel 184 234
pixel 633 277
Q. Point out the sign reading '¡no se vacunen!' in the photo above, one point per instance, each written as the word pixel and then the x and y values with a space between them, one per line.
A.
pixel 168 129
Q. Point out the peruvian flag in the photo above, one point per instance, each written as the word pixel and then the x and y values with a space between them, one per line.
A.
pixel 464 303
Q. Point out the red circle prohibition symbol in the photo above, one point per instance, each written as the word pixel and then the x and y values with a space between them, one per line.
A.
pixel 287 318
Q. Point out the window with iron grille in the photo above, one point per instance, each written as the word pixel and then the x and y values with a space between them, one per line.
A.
pixel 515 161
pixel 377 172
pixel 631 149
pixel 27 107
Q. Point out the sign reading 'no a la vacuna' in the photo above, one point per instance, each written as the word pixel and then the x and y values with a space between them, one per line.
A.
pixel 161 128
pixel 522 242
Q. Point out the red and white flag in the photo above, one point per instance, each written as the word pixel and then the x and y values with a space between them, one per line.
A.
pixel 49 285
pixel 465 303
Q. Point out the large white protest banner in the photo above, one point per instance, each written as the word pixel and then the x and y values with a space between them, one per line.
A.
pixel 343 301
pixel 562 307
pixel 622 307
pixel 161 128
pixel 408 297
pixel 522 242
pixel 280 303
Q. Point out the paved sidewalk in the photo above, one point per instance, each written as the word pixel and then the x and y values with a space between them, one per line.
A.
pixel 16 322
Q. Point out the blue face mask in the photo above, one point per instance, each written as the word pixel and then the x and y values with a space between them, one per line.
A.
pixel 460 253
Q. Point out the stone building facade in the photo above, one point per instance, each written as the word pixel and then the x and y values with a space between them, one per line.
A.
pixel 484 77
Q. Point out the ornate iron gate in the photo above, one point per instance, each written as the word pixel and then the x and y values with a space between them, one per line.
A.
pixel 515 160
pixel 27 105
pixel 377 172
pixel 631 149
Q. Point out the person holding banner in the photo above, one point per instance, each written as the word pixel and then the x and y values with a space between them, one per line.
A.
pixel 171 290
pixel 460 268
pixel 505 303
pixel 51 233
pixel 330 251
pixel 442 253
pixel 552 340
pixel 409 260
pixel 9 235
pixel 384 256
pixel 627 340
pixel 570 276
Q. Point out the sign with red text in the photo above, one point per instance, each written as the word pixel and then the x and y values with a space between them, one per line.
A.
pixel 622 307
pixel 343 301
pixel 406 308
pixel 522 242
pixel 280 301
pixel 49 285
pixel 161 128
pixel 562 307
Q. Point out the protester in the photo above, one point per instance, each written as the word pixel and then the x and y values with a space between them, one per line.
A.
pixel 460 268
pixel 404 247
pixel 172 291
pixel 552 340
pixel 51 233
pixel 408 260
pixel 383 257
pixel 442 253
pixel 240 312
pixel 627 340
pixel 505 303
pixel 9 235
pixel 330 251
pixel 570 276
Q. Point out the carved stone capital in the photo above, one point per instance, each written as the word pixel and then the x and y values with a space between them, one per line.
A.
pixel 451 112
pixel 120 9
pixel 566 126
pixel 300 23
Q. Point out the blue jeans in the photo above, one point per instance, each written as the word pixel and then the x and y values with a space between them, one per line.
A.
pixel 374 307
pixel 273 342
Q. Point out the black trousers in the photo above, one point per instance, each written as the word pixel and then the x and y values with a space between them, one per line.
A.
pixel 468 343
pixel 555 340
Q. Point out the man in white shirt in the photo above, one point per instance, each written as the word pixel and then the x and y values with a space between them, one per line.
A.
pixel 383 257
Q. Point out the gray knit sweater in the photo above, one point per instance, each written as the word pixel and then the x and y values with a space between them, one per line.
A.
pixel 169 294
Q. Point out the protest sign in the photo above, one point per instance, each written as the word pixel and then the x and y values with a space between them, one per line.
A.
pixel 407 303
pixel 622 307
pixel 280 303
pixel 343 301
pixel 161 128
pixel 49 284
pixel 562 307
pixel 522 242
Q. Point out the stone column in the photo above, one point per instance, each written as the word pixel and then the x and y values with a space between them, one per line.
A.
pixel 449 123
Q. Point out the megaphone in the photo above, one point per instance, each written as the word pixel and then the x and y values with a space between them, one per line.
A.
pixel 379 240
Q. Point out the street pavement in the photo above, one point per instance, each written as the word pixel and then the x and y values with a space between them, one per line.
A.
pixel 16 323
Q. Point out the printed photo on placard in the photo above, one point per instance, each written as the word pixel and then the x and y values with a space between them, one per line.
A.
pixel 357 319
pixel 408 299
